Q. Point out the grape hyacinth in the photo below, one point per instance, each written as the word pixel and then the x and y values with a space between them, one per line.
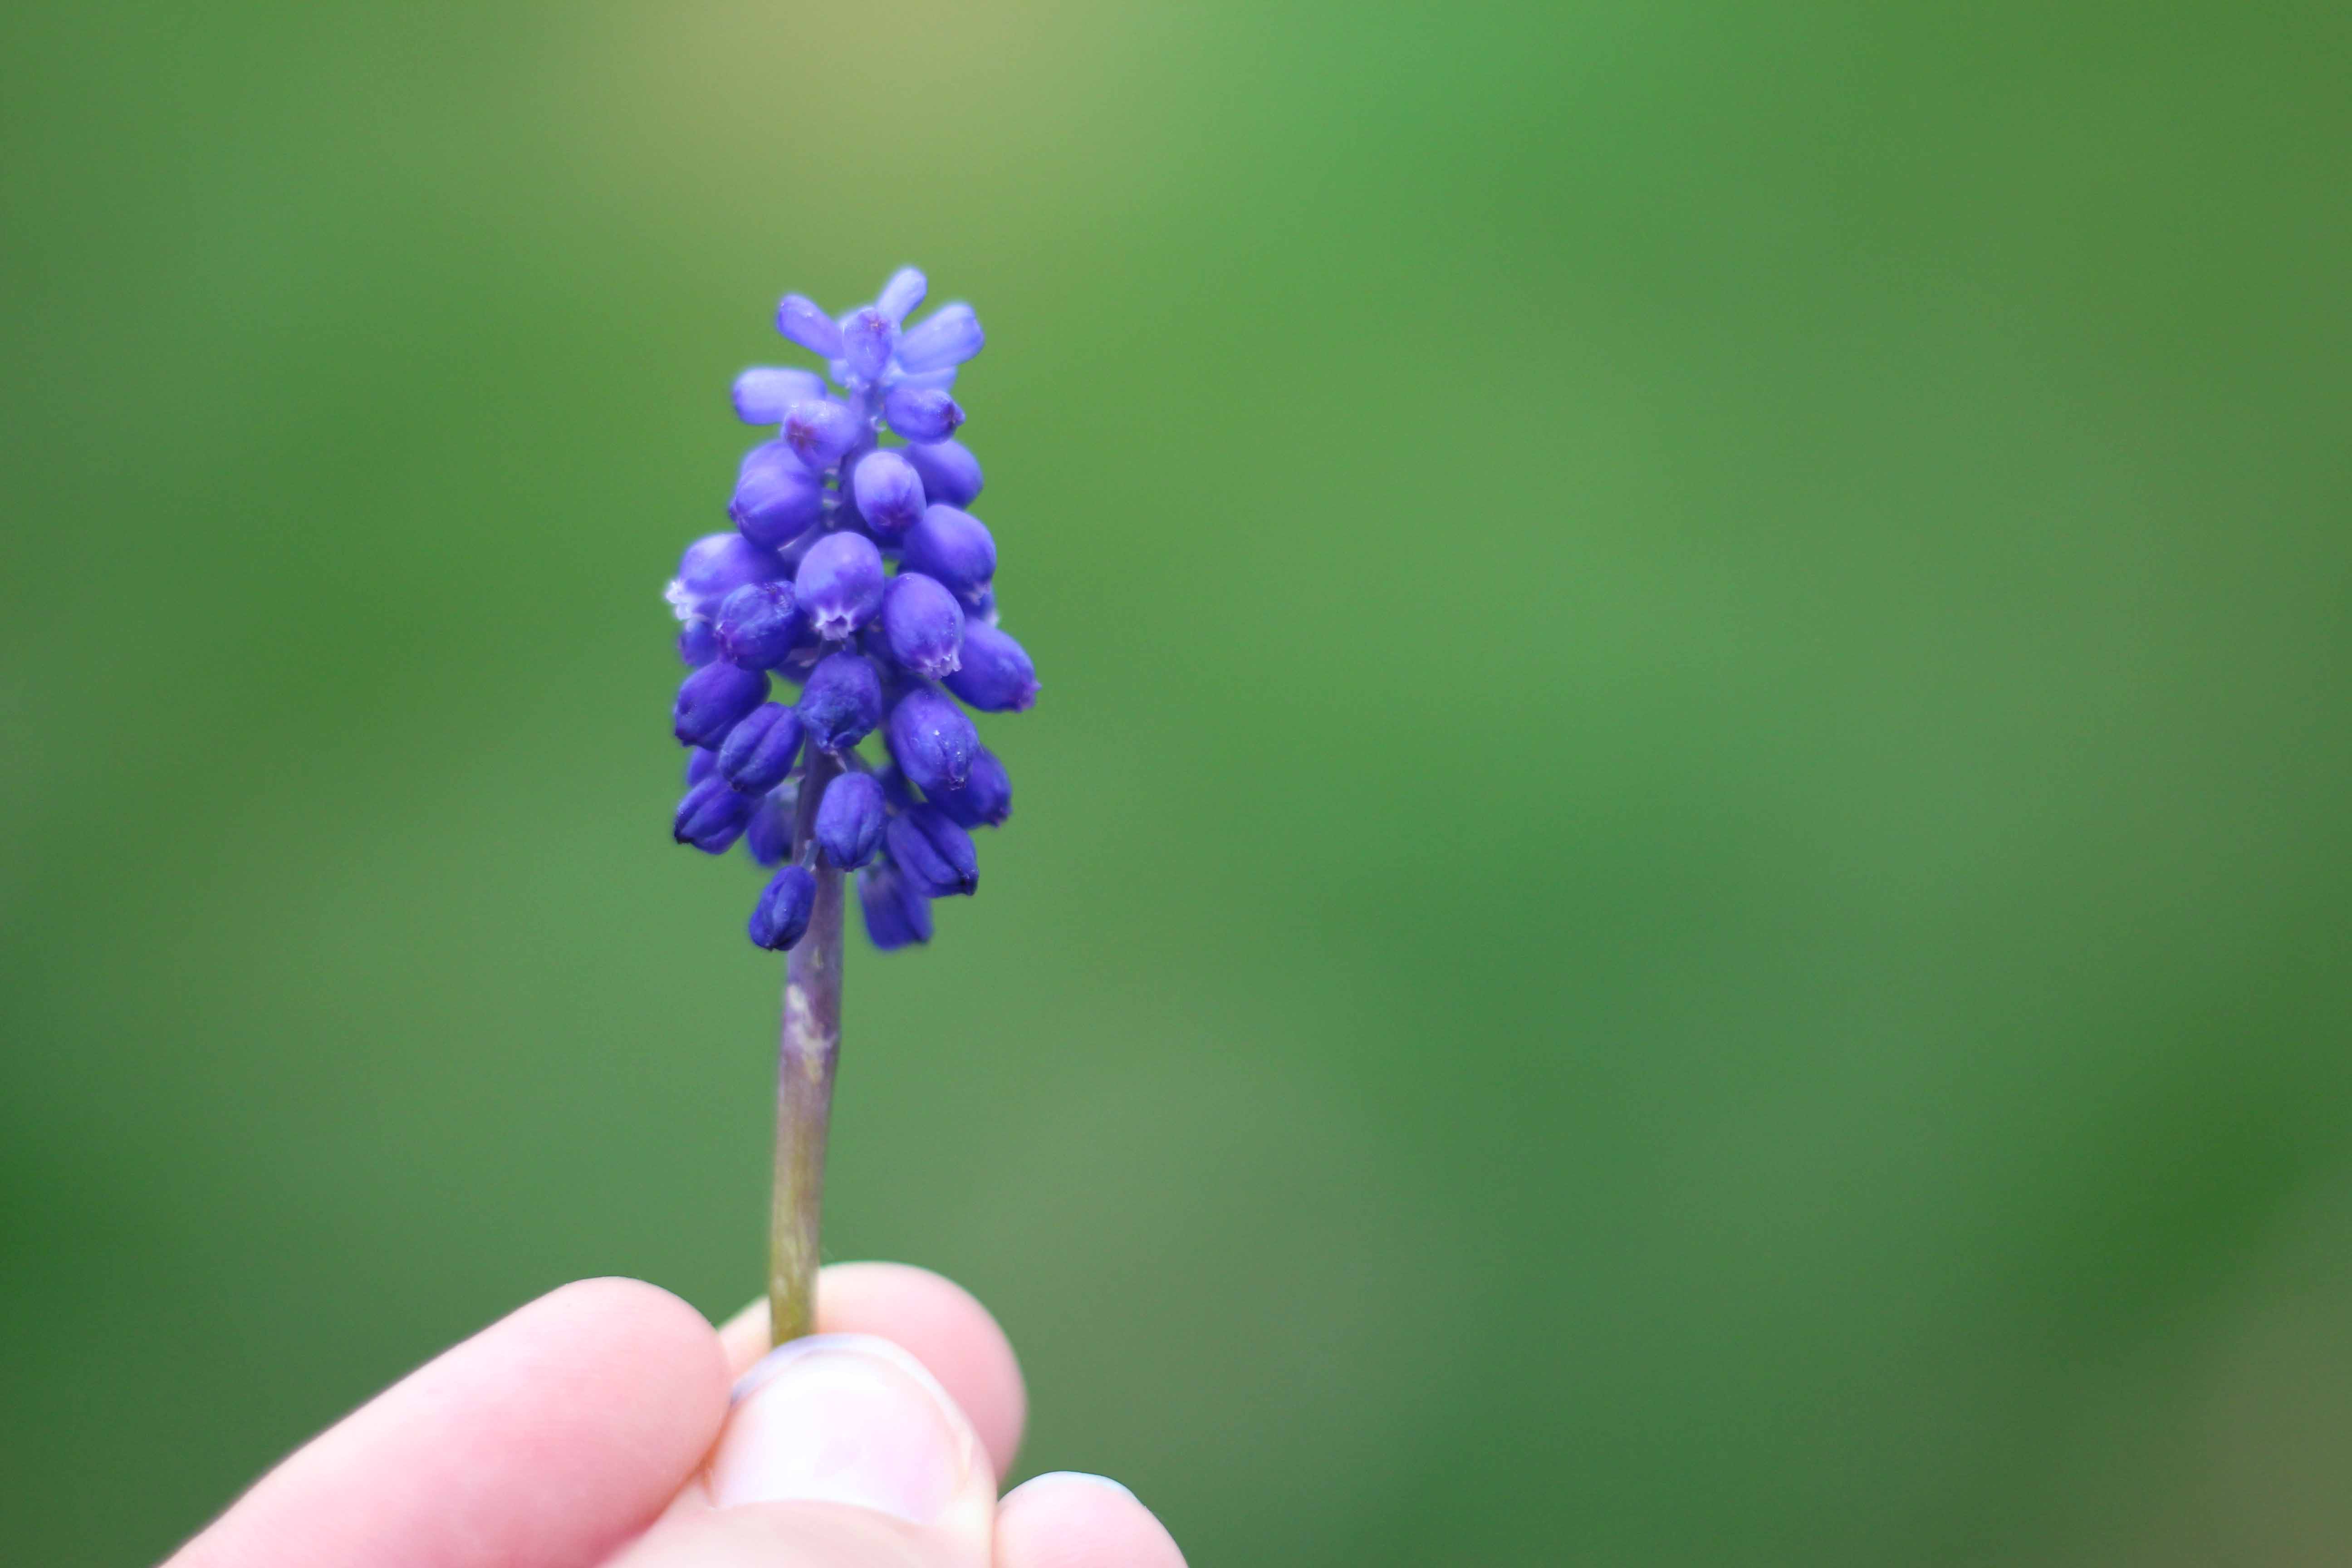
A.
pixel 855 574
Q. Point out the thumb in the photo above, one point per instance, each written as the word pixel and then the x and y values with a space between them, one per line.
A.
pixel 840 1451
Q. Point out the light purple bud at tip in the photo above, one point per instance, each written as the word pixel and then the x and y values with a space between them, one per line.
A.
pixel 799 319
pixel 950 336
pixel 776 497
pixel 849 820
pixel 763 394
pixel 822 432
pixel 901 294
pixel 995 674
pixel 953 546
pixel 921 413
pixel 951 474
pixel 924 624
pixel 839 585
pixel 889 493
pixel 866 339
pixel 933 741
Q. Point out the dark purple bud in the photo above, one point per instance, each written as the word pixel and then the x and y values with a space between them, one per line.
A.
pixel 934 855
pixel 950 472
pixel 697 643
pixel 761 749
pixel 996 675
pixel 713 700
pixel 839 585
pixel 896 915
pixel 841 702
pixel 782 915
pixel 758 624
pixel 799 319
pixel 849 820
pixel 866 340
pixel 921 413
pixel 768 837
pixel 700 762
pixel 986 798
pixel 949 337
pixel 711 816
pixel 713 567
pixel 953 546
pixel 932 739
pixel 923 623
pixel 889 493
pixel 762 395
pixel 901 294
pixel 776 497
pixel 821 432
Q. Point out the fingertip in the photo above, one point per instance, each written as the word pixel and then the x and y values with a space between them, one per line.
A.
pixel 1070 1519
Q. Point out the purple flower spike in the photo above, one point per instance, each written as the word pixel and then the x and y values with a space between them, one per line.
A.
pixel 934 855
pixel 849 820
pixel 948 471
pixel 839 585
pixel 932 740
pixel 841 703
pixel 711 816
pixel 924 624
pixel 949 337
pixel 799 319
pixel 777 496
pixel 822 432
pixel 758 624
pixel 761 749
pixel 762 395
pixel 715 567
pixel 922 413
pixel 896 915
pixel 986 798
pixel 713 700
pixel 889 492
pixel 996 675
pixel 953 546
pixel 782 916
pixel 866 339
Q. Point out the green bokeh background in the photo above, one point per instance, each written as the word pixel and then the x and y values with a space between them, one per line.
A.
pixel 1680 896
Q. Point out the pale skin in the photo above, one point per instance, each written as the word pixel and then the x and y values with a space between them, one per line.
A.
pixel 591 1428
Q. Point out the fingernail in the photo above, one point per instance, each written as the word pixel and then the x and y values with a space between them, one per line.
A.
pixel 844 1418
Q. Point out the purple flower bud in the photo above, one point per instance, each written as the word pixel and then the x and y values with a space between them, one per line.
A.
pixel 948 471
pixel 782 915
pixel 934 855
pixel 761 749
pixel 896 915
pixel 697 643
pixel 921 413
pixel 889 493
pixel 932 740
pixel 799 319
pixel 923 623
pixel 901 294
pixel 952 546
pixel 762 395
pixel 713 700
pixel 849 820
pixel 821 432
pixel 950 336
pixel 711 816
pixel 839 585
pixel 776 497
pixel 841 702
pixel 986 798
pixel 700 762
pixel 996 675
pixel 768 837
pixel 713 567
pixel 866 339
pixel 758 624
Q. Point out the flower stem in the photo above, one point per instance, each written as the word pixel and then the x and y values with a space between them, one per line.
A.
pixel 807 1051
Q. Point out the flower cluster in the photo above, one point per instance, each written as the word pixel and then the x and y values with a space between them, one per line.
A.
pixel 855 573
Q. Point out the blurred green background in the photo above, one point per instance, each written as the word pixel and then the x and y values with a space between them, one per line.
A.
pixel 1679 896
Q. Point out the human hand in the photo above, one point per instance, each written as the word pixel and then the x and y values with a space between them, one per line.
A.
pixel 593 1429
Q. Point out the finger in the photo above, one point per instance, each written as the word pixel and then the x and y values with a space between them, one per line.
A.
pixel 841 1450
pixel 949 1331
pixel 542 1442
pixel 1070 1521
